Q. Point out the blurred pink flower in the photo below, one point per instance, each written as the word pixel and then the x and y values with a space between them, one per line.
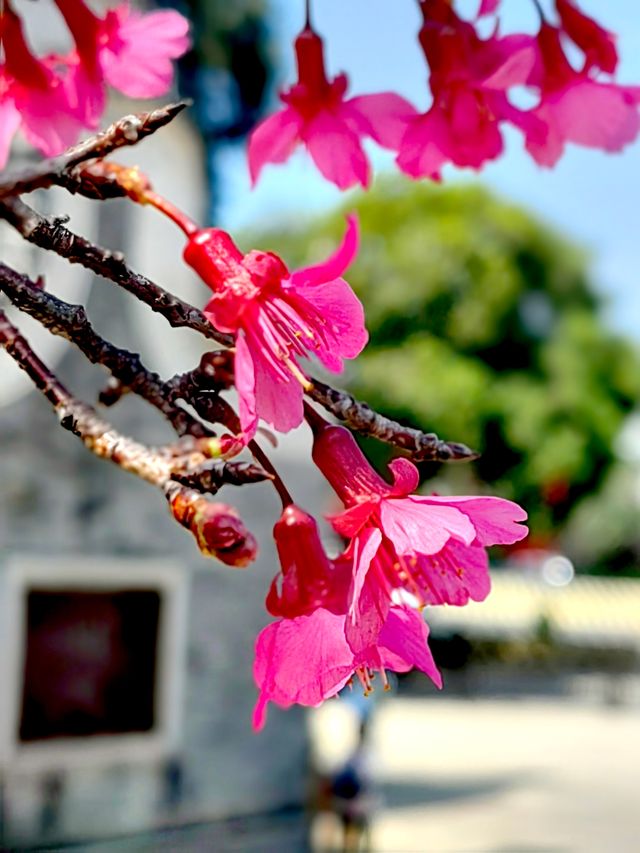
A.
pixel 307 659
pixel 331 128
pixel 33 97
pixel 127 49
pixel 597 44
pixel 278 317
pixel 577 108
pixel 469 81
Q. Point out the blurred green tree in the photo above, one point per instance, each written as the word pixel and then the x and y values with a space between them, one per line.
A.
pixel 493 317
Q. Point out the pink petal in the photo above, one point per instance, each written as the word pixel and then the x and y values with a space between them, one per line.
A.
pixel 9 124
pixel 273 140
pixel 414 528
pixel 384 117
pixel 495 520
pixel 336 264
pixel 513 58
pixel 548 150
pixel 343 331
pixel 406 477
pixel 89 95
pixel 278 402
pixel 363 550
pixel 596 115
pixel 404 643
pixel 365 620
pixel 47 120
pixel 137 57
pixel 352 520
pixel 336 151
pixel 475 134
pixel 454 575
pixel 245 386
pixel 425 146
pixel 303 660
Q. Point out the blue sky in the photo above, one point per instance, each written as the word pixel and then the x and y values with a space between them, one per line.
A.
pixel 591 196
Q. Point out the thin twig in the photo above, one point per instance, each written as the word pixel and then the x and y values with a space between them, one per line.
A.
pixel 62 170
pixel 358 416
pixel 51 234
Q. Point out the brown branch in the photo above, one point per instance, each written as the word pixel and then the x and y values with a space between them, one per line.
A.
pixel 70 322
pixel 186 462
pixel 62 170
pixel 358 416
pixel 51 234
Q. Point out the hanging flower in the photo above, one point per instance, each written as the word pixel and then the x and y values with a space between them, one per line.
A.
pixel 431 547
pixel 331 127
pixel 278 317
pixel 126 49
pixel 574 106
pixel 469 82
pixel 33 97
pixel 308 659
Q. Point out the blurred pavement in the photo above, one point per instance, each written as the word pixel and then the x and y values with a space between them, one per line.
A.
pixel 502 775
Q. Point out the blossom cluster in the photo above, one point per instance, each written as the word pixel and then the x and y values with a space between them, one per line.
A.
pixel 474 83
pixel 52 98
pixel 359 613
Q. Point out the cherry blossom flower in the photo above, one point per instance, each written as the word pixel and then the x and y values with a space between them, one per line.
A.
pixel 127 49
pixel 317 115
pixel 431 547
pixel 469 82
pixel 278 317
pixel 308 659
pixel 33 97
pixel 577 108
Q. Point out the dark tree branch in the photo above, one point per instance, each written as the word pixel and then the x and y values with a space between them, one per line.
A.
pixel 423 447
pixel 185 462
pixel 63 170
pixel 71 322
pixel 51 234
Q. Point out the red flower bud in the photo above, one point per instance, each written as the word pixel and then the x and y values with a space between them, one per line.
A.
pixel 217 527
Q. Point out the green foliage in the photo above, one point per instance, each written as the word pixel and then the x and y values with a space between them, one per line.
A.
pixel 486 329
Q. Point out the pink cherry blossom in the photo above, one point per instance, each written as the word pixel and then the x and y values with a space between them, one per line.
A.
pixel 432 547
pixel 127 49
pixel 278 317
pixel 469 82
pixel 577 108
pixel 317 115
pixel 307 659
pixel 33 97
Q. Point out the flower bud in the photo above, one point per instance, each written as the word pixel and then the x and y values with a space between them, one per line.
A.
pixel 217 527
pixel 306 571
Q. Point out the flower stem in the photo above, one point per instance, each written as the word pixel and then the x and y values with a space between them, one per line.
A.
pixel 261 457
pixel 174 213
